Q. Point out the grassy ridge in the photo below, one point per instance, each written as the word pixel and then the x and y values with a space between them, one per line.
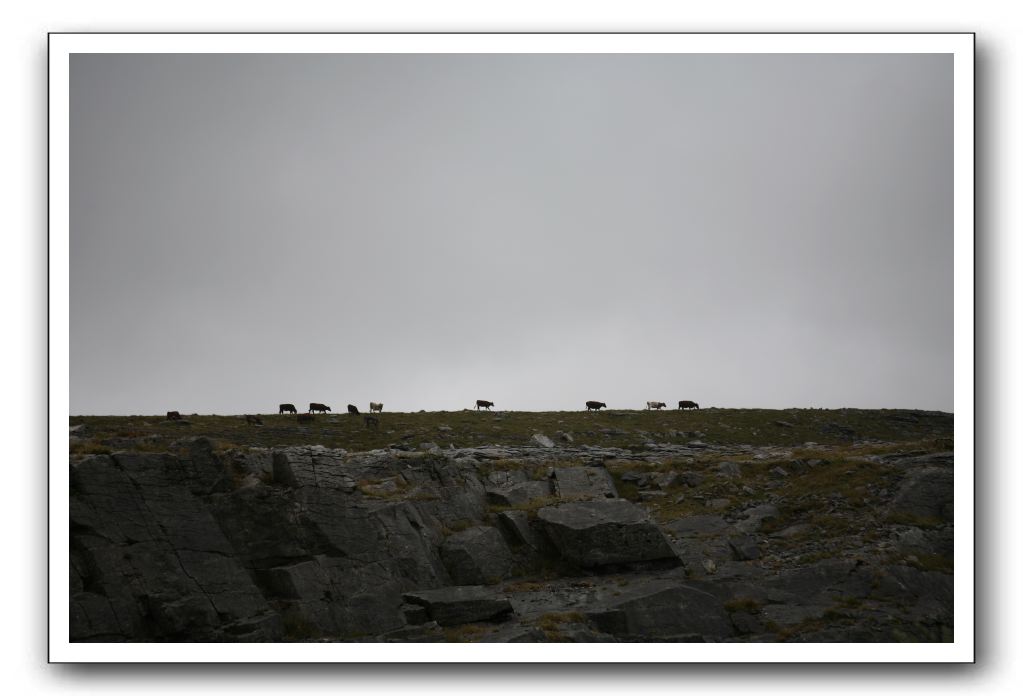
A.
pixel 628 429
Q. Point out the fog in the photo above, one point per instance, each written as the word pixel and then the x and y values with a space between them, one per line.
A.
pixel 537 230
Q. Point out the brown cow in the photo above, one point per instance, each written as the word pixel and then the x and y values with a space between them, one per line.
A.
pixel 688 404
pixel 173 415
pixel 314 407
pixel 481 403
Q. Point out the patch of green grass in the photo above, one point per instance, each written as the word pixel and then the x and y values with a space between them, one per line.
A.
pixel 457 526
pixel 525 586
pixel 931 562
pixel 531 506
pixel 470 428
pixel 466 633
pixel 814 557
pixel 924 522
pixel 850 602
pixel 553 622
pixel 746 604
pixel 829 619
pixel 381 489
pixel 808 494
pixel 88 447
pixel 297 628
pixel 626 489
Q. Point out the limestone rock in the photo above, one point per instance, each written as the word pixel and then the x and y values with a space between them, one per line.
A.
pixel 925 493
pixel 692 479
pixel 698 525
pixel 604 532
pixel 542 440
pixel 675 611
pixel 583 482
pixel 744 548
pixel 728 469
pixel 450 606
pixel 519 493
pixel 515 525
pixel 756 516
pixel 476 556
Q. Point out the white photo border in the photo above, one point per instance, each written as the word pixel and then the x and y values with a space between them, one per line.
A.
pixel 63 45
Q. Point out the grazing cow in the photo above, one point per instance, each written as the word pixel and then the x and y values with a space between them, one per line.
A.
pixel 371 421
pixel 688 404
pixel 322 408
pixel 173 415
pixel 352 411
pixel 595 405
pixel 286 408
pixel 655 404
pixel 484 404
pixel 253 420
pixel 305 417
pixel 375 407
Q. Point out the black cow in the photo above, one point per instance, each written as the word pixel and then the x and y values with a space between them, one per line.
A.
pixel 484 404
pixel 595 405
pixel 286 408
pixel 352 410
pixel 372 421
pixel 173 415
pixel 688 404
pixel 322 408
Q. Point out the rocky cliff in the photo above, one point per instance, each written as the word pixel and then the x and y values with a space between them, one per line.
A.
pixel 538 542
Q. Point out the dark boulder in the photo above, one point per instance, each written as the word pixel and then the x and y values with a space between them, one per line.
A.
pixel 519 493
pixel 476 556
pixel 925 494
pixel 676 612
pixel 450 606
pixel 606 532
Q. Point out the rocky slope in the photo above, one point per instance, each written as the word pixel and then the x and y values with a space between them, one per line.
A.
pixel 537 542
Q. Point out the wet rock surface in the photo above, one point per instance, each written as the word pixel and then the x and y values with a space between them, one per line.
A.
pixel 544 541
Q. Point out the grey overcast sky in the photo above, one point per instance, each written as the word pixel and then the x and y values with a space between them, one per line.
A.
pixel 537 230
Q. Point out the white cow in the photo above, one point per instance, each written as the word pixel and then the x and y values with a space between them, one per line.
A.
pixel 654 404
pixel 374 407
